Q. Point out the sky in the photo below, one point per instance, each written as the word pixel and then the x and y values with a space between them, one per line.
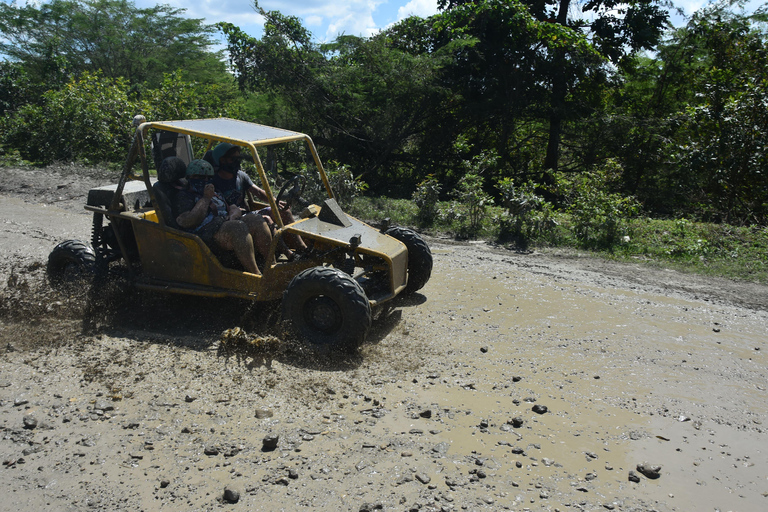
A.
pixel 326 19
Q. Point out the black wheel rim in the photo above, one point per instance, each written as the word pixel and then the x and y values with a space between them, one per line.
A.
pixel 322 314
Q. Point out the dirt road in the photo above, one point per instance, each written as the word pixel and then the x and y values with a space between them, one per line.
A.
pixel 514 382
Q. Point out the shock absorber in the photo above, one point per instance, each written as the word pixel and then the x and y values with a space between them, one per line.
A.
pixel 96 231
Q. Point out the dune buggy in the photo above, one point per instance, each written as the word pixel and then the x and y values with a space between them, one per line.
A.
pixel 327 294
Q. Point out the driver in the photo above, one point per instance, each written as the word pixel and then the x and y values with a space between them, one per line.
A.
pixel 232 184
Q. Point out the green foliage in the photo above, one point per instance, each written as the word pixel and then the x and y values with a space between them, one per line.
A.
pixel 64 38
pixel 89 119
pixel 16 88
pixel 467 213
pixel 367 102
pixel 527 215
pixel 401 212
pixel 598 217
pixel 425 197
pixel 346 187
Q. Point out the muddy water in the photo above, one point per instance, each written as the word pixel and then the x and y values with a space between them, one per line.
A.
pixel 627 375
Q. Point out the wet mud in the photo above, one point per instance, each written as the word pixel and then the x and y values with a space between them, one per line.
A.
pixel 512 382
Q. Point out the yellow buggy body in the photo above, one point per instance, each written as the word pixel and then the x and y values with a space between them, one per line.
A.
pixel 348 258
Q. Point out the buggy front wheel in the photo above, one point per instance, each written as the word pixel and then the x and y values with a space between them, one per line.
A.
pixel 419 258
pixel 327 308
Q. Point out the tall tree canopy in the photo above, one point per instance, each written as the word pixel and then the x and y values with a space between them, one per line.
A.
pixel 618 29
pixel 67 37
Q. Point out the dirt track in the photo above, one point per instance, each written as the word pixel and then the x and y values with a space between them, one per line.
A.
pixel 160 410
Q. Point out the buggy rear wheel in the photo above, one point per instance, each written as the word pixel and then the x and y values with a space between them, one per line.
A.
pixel 419 258
pixel 70 264
pixel 327 308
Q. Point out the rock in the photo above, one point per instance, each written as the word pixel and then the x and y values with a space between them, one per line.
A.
pixel 421 477
pixel 269 443
pixel 30 421
pixel 649 470
pixel 262 413
pixel 404 479
pixel 484 349
pixel 539 409
pixel 231 495
pixel 19 401
pixel 189 399
pixel 632 477
pixel 164 483
pixel 103 405
pixel 211 450
pixel 426 413
pixel 370 507
pixel 517 378
pixel 517 421
pixel 590 476
pixel 293 474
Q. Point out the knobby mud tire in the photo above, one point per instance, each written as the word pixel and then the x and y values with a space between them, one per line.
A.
pixel 71 263
pixel 327 308
pixel 419 258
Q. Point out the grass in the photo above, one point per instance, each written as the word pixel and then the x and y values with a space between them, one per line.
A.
pixel 737 253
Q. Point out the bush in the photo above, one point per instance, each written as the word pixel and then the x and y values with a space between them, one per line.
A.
pixel 89 119
pixel 426 196
pixel 346 187
pixel 527 215
pixel 467 212
pixel 599 218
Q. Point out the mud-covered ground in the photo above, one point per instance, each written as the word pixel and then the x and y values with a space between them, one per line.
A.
pixel 167 406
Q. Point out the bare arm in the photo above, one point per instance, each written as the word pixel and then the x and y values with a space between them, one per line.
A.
pixel 197 214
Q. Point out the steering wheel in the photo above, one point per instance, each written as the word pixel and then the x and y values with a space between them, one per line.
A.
pixel 296 185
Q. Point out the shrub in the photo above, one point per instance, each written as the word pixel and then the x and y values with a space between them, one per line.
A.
pixel 598 217
pixel 426 196
pixel 88 119
pixel 526 214
pixel 467 211
pixel 346 187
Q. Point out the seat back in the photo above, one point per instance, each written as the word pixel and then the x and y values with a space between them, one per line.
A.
pixel 165 144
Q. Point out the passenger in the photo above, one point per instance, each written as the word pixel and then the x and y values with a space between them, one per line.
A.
pixel 170 180
pixel 232 184
pixel 207 215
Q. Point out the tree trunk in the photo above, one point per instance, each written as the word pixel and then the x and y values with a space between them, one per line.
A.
pixel 559 91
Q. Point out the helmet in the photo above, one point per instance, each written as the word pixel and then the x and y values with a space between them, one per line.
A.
pixel 220 150
pixel 171 169
pixel 199 168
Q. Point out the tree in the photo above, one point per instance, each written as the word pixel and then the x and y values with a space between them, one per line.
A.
pixel 620 28
pixel 63 38
pixel 366 100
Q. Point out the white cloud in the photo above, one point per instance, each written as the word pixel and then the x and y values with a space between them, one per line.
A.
pixel 422 8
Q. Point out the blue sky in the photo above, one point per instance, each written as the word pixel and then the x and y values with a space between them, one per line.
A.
pixel 326 18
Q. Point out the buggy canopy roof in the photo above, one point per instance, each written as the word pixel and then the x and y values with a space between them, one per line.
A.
pixel 231 130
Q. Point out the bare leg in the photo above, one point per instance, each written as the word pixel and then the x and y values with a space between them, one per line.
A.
pixel 261 234
pixel 293 241
pixel 234 236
